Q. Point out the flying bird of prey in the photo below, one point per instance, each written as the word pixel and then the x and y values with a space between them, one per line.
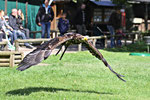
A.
pixel 43 52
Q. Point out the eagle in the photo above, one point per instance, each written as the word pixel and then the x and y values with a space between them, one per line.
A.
pixel 44 51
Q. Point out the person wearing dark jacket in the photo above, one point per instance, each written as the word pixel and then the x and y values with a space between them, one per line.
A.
pixel 20 24
pixel 113 25
pixel 44 18
pixel 63 24
pixel 80 19
pixel 17 32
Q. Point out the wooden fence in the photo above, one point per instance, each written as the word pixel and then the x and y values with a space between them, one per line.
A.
pixel 133 37
pixel 53 33
pixel 17 42
pixel 3 42
pixel 10 59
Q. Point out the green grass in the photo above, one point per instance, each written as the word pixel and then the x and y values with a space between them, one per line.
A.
pixel 79 76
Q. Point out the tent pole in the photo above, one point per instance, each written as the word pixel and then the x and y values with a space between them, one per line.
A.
pixel 26 24
pixel 146 16
pixel 16 4
pixel 5 6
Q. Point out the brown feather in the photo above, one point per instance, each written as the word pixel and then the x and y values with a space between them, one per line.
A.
pixel 45 50
pixel 95 52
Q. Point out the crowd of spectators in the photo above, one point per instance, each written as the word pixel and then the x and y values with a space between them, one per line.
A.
pixel 11 28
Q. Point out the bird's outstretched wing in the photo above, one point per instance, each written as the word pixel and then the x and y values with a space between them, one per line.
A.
pixel 95 52
pixel 42 52
pixel 45 50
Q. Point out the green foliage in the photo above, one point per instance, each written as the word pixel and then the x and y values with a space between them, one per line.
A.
pixel 139 46
pixel 79 1
pixel 74 1
pixel 79 76
pixel 120 2
pixel 146 33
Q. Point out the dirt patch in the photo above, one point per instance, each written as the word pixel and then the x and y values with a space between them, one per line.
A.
pixel 43 64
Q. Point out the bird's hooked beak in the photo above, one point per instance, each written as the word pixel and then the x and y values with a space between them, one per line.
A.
pixel 85 38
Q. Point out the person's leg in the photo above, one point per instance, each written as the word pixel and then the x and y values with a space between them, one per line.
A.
pixel 21 34
pixel 119 43
pixel 48 25
pixel 26 31
pixel 15 35
pixel 18 33
pixel 79 29
pixel 11 37
pixel 23 37
pixel 43 26
pixel 10 46
pixel 1 36
pixel 112 39
pixel 83 30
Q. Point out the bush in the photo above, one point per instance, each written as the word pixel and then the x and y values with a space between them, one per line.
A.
pixel 146 33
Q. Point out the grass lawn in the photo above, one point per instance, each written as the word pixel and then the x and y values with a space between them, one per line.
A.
pixel 79 76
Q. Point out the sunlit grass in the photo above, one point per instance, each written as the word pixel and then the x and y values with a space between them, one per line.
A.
pixel 79 76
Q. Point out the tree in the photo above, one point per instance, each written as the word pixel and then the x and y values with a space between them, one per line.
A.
pixel 120 2
pixel 79 1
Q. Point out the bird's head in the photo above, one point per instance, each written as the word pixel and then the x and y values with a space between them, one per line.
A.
pixel 85 38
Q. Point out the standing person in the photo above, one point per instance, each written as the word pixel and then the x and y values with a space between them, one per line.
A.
pixel 114 24
pixel 119 38
pixel 80 20
pixel 44 18
pixel 13 23
pixel 63 24
pixel 20 24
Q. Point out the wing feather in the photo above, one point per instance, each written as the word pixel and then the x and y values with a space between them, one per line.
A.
pixel 42 52
pixel 98 55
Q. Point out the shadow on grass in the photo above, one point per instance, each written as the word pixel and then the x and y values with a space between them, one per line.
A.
pixel 29 90
pixel 139 46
